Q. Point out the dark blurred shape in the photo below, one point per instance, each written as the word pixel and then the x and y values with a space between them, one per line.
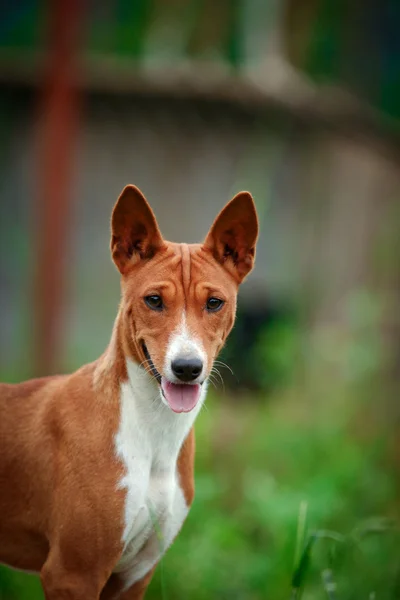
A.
pixel 353 44
pixel 261 348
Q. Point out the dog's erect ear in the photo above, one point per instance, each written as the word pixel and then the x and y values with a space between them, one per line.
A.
pixel 134 231
pixel 233 236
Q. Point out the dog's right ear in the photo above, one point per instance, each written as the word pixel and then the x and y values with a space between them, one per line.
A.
pixel 134 231
pixel 233 236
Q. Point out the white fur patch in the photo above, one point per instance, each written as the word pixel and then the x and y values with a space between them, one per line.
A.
pixel 183 344
pixel 148 442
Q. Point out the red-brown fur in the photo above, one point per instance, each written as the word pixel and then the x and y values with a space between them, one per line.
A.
pixel 60 504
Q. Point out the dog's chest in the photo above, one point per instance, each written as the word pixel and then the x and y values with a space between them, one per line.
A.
pixel 155 506
pixel 154 512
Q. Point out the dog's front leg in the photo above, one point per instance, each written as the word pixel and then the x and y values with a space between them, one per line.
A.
pixel 61 582
pixel 114 589
pixel 138 590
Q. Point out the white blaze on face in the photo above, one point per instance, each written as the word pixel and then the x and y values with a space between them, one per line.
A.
pixel 182 344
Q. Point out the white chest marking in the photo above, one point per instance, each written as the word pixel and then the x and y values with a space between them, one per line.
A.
pixel 148 442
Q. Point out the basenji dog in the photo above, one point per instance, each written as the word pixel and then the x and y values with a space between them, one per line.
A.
pixel 96 468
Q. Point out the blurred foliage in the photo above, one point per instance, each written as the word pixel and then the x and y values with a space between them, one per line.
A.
pixel 326 39
pixel 278 345
pixel 254 468
pixel 271 338
pixel 330 40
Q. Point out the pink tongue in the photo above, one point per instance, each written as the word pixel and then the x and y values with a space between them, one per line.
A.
pixel 181 397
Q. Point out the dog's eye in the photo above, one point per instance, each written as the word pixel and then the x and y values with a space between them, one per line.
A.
pixel 214 304
pixel 154 302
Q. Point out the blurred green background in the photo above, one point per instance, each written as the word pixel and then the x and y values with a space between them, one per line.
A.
pixel 298 452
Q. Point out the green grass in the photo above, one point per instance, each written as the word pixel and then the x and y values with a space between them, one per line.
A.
pixel 293 500
pixel 256 465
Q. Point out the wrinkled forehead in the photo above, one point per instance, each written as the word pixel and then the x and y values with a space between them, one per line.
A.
pixel 180 269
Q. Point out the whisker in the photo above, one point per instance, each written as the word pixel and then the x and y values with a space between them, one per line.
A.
pixel 212 381
pixel 217 372
pixel 146 360
pixel 204 406
pixel 146 368
pixel 223 364
pixel 216 382
pixel 145 364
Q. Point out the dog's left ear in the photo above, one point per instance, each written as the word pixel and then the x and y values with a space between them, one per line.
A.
pixel 134 231
pixel 233 236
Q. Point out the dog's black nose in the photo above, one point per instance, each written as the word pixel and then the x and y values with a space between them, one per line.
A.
pixel 187 369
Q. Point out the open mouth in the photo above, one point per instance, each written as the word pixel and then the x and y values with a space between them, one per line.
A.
pixel 181 397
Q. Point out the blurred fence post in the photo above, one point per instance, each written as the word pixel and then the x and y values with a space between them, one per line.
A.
pixel 57 132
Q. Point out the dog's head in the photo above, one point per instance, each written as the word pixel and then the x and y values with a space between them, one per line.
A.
pixel 179 300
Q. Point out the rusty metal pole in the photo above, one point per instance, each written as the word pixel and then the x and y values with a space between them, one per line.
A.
pixel 57 132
